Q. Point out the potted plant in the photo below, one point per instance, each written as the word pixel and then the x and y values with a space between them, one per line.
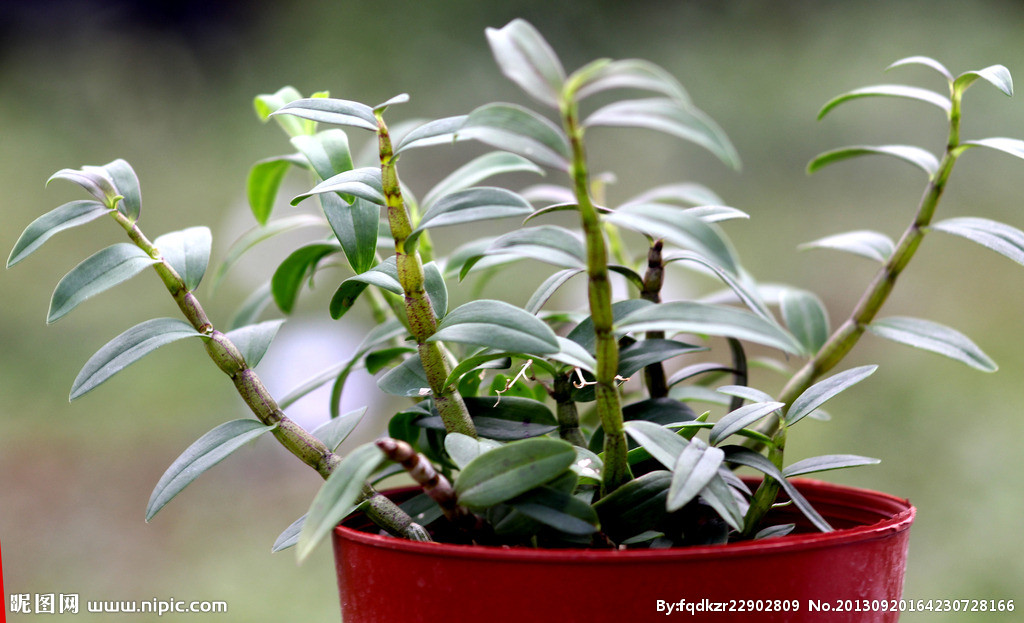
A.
pixel 552 450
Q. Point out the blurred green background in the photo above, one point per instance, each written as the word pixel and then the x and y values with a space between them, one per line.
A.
pixel 168 86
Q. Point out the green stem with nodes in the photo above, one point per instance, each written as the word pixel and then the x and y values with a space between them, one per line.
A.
pixel 846 336
pixel 420 314
pixel 654 277
pixel 226 355
pixel 599 294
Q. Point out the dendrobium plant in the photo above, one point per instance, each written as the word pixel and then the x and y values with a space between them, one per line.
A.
pixel 549 423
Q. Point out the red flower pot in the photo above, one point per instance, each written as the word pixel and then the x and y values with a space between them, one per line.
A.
pixel 854 574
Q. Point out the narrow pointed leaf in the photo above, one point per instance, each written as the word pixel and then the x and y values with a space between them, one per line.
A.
pixel 696 466
pixel 93 179
pixel 332 111
pixel 100 271
pixel 356 227
pixel 629 74
pixel 934 337
pixel 643 353
pixel 295 269
pixel 720 496
pixel 889 90
pixel 257 235
pixel 927 62
pixel 571 353
pixel 188 253
pixel 498 325
pixel 686 193
pixel 401 98
pixel 207 451
pixel 436 132
pixel 57 220
pixel 997 75
pixel 916 156
pixel 407 379
pixel 528 60
pixel 744 292
pixel 669 116
pixel 336 430
pixel 263 183
pixel 512 470
pixel 548 243
pixel 518 130
pixel 363 183
pixel 744 456
pixel 471 205
pixel 673 225
pixel 636 506
pixel 562 511
pixel 289 537
pixel 823 391
pixel 805 317
pixel 741 418
pixel 865 243
pixel 463 448
pixel 127 348
pixel 254 340
pixel 437 290
pixel 1012 146
pixel 267 103
pixel 478 170
pixel 1001 238
pixel 327 152
pixel 827 462
pixel 551 285
pixel 127 185
pixel 338 496
pixel 662 444
pixel 701 318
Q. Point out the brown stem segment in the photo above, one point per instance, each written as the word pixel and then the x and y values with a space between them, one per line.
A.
pixel 654 277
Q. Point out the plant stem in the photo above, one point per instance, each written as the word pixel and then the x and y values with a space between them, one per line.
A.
pixel 654 277
pixel 567 414
pixel 599 294
pixel 226 355
pixel 422 321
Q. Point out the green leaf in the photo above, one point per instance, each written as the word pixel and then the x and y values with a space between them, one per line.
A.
pixel 207 451
pixel 825 463
pixel 436 132
pixel 636 506
pixel 889 90
pixel 289 537
pixel 267 103
pixel 686 193
pixel 463 448
pixel 1012 146
pixel 926 61
pixel 254 340
pixel 503 419
pixel 327 152
pixel 744 293
pixel 295 269
pixel 672 117
pixel 626 74
pixel 338 496
pixel 518 130
pixel 57 220
pixel 701 318
pixel 741 418
pixel 544 292
pixel 697 464
pixel 997 75
pixel 646 352
pixel 100 271
pixel 865 243
pixel 498 325
pixel 934 337
pixel 406 379
pixel 477 170
pixel 262 184
pixel 95 180
pixel 127 185
pixel 336 430
pixel 512 470
pixel 571 353
pixel 526 59
pixel 744 456
pixel 823 391
pixel 547 243
pixel 661 443
pixel 257 235
pixel 188 253
pixel 1001 238
pixel 356 228
pixel 333 111
pixel 363 183
pixel 437 290
pixel 127 348
pixel 684 230
pixel 471 205
pixel 805 317
pixel 916 156
pixel 562 511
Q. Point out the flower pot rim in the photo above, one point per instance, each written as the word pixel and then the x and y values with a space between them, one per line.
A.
pixel 895 515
